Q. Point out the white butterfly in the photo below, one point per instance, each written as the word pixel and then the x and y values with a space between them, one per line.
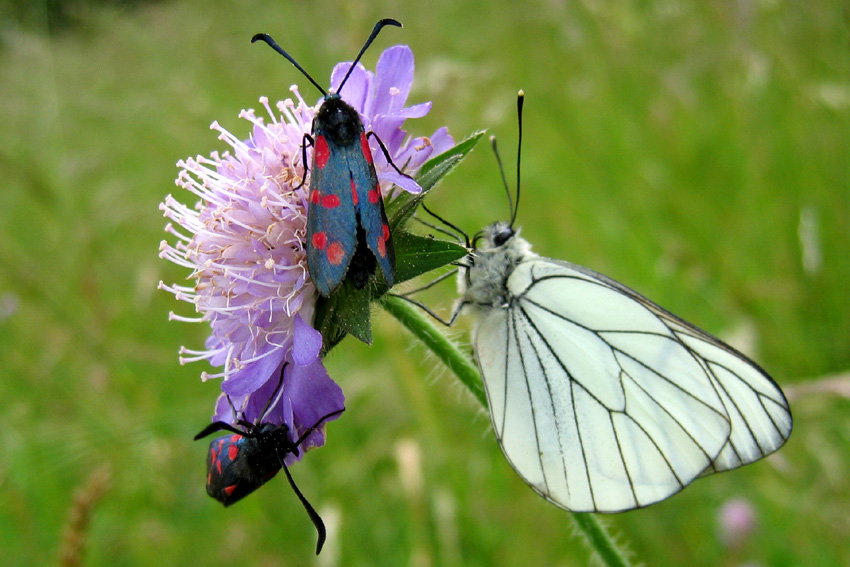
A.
pixel 600 399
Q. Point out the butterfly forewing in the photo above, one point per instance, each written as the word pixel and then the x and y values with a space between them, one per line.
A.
pixel 757 409
pixel 603 401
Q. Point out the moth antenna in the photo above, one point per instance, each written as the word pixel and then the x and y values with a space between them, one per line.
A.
pixel 233 409
pixel 316 426
pixel 273 44
pixel 314 516
pixel 218 426
pixel 274 395
pixel 372 36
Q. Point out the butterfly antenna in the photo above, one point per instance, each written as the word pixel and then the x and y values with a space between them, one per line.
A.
pixel 502 173
pixel 273 44
pixel 372 36
pixel 520 99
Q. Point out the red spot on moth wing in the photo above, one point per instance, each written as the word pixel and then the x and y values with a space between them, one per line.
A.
pixel 315 196
pixel 218 466
pixel 232 451
pixel 330 201
pixel 364 147
pixel 336 253
pixel 354 192
pixel 382 248
pixel 321 152
pixel 374 196
pixel 235 437
pixel 319 240
pixel 229 489
pixel 386 232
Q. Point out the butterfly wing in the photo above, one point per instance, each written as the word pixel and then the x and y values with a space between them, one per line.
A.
pixel 603 401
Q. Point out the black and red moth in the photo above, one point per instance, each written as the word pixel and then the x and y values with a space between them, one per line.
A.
pixel 347 229
pixel 240 463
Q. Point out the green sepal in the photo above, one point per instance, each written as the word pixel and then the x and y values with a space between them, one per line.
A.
pixel 416 254
pixel 346 311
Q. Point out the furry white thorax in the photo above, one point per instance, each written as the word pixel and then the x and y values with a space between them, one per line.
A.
pixel 484 283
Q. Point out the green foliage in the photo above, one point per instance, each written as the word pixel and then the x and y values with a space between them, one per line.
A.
pixel 682 148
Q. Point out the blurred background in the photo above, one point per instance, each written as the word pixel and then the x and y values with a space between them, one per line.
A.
pixel 696 151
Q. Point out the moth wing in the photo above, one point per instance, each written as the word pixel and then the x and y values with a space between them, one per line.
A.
pixel 229 477
pixel 370 205
pixel 331 218
pixel 603 401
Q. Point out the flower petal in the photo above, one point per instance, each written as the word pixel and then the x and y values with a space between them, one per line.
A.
pixel 407 183
pixel 306 343
pixel 357 90
pixel 393 79
pixel 255 373
pixel 312 395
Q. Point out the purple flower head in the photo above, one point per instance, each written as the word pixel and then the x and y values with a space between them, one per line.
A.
pixel 736 520
pixel 244 243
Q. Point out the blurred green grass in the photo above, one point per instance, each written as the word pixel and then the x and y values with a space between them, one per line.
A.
pixel 671 145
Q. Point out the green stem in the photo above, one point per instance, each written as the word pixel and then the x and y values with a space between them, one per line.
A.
pixel 413 318
pixel 599 540
pixel 423 329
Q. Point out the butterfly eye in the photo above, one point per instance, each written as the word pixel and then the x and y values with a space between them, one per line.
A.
pixel 503 235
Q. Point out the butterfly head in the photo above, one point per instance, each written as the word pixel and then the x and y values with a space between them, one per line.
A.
pixel 497 235
pixel 498 250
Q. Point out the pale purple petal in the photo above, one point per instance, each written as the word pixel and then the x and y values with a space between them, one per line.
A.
pixel 393 79
pixel 357 91
pixel 407 183
pixel 313 395
pixel 307 343
pixel 441 141
pixel 254 374
pixel 379 99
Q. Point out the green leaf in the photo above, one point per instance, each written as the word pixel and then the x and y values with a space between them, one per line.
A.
pixel 402 207
pixel 416 254
pixel 347 310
